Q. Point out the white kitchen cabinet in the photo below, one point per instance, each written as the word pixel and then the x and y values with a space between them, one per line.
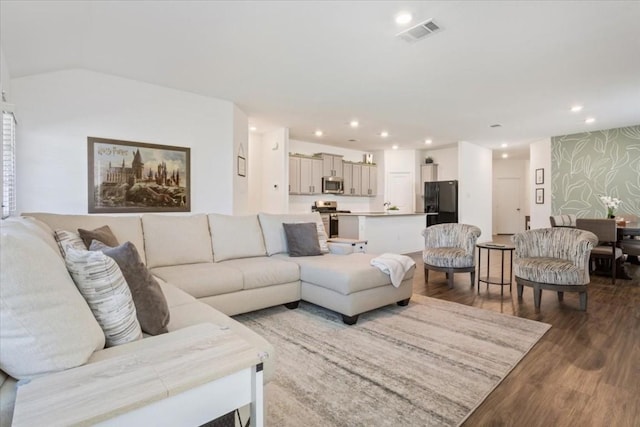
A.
pixel 369 182
pixel 294 175
pixel 429 172
pixel 305 175
pixel 331 165
pixel 310 176
pixel 352 179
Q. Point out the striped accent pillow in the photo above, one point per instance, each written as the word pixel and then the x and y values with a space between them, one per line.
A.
pixel 103 286
pixel 68 238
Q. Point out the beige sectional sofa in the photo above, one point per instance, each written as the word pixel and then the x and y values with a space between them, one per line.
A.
pixel 214 266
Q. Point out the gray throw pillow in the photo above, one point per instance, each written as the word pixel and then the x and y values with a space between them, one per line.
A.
pixel 302 239
pixel 102 234
pixel 151 304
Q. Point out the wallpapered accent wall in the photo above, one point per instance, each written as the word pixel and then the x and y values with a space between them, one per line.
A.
pixel 587 165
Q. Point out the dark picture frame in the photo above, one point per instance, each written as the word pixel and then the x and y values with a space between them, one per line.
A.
pixel 127 176
pixel 242 166
pixel 539 196
pixel 539 176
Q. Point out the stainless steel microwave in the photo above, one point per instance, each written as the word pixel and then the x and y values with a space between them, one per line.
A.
pixel 332 185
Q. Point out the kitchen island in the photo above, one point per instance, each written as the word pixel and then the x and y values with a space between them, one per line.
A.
pixel 385 232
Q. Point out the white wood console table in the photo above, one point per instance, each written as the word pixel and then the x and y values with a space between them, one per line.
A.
pixel 185 378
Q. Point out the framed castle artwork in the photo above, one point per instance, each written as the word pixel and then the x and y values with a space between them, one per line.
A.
pixel 127 176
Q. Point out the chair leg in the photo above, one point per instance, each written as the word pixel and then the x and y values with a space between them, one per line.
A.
pixel 614 264
pixel 426 275
pixel 473 279
pixel 520 289
pixel 560 296
pixel 450 279
pixel 537 294
pixel 583 301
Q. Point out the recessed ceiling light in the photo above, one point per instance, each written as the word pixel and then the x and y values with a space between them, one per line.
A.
pixel 428 141
pixel 589 120
pixel 403 18
pixel 253 128
pixel 394 146
pixel 384 134
pixel 505 155
pixel 504 145
pixel 576 108
pixel 318 133
pixel 354 123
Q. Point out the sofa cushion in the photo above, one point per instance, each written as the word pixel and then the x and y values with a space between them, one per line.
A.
pixel 150 302
pixel 102 285
pixel 274 238
pixel 448 257
pixel 45 324
pixel 124 227
pixel 236 236
pixel 175 240
pixel 548 270
pixel 344 274
pixel 265 271
pixel 302 239
pixel 202 280
pixel 102 234
pixel 68 239
pixel 38 229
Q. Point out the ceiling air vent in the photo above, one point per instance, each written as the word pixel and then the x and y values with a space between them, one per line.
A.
pixel 420 31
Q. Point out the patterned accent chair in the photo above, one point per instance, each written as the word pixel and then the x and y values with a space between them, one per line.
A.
pixel 555 259
pixel 450 248
pixel 563 220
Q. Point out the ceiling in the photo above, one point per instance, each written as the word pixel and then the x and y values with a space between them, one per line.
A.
pixel 311 65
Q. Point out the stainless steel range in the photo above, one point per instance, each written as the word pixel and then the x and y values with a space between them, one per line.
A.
pixel 329 213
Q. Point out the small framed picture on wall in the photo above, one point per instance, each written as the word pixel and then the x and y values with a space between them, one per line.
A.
pixel 539 196
pixel 539 176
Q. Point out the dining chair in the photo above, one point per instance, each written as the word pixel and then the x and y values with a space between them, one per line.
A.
pixel 607 249
pixel 630 244
pixel 563 220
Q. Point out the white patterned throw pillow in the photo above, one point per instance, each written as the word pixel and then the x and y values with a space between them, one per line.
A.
pixel 103 286
pixel 67 239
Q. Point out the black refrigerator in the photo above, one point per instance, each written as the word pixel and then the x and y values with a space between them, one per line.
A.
pixel 441 202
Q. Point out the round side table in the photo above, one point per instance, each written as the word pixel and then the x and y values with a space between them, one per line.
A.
pixel 503 279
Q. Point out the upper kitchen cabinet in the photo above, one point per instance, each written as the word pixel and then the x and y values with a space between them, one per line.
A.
pixel 331 165
pixel 429 172
pixel 369 181
pixel 352 179
pixel 305 175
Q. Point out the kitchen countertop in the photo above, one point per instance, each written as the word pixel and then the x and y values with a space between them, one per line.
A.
pixel 381 214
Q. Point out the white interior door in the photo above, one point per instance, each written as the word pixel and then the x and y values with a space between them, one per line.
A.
pixel 400 190
pixel 509 213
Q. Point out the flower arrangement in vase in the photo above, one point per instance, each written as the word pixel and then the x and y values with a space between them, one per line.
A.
pixel 611 203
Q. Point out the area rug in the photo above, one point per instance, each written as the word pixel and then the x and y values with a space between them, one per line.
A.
pixel 430 363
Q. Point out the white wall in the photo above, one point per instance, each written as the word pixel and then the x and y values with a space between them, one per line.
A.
pixel 274 155
pixel 474 191
pixel 59 110
pixel 240 149
pixel 540 157
pixel 507 168
pixel 254 173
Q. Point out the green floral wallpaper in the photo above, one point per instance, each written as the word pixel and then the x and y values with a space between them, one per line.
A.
pixel 587 165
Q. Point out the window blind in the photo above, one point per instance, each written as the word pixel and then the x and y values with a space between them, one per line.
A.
pixel 8 164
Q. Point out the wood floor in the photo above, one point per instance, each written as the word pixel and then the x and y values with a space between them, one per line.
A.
pixel 584 372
